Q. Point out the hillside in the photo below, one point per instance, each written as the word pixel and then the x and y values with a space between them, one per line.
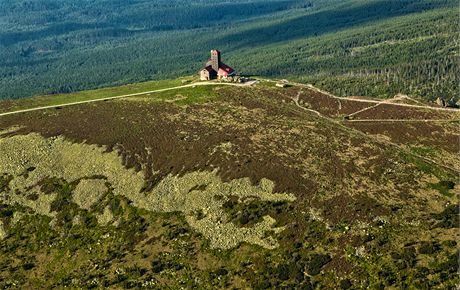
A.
pixel 375 48
pixel 227 187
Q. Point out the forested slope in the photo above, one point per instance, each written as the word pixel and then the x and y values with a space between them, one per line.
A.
pixel 355 47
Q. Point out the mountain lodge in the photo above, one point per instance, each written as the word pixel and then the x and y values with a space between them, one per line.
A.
pixel 215 68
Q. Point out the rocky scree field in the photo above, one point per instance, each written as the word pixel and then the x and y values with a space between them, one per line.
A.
pixel 227 187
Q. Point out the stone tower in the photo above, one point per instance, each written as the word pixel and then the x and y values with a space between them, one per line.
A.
pixel 215 60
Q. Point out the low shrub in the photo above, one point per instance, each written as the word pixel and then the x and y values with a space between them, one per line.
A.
pixel 283 272
pixel 449 243
pixel 447 184
pixel 221 272
pixel 429 248
pixel 408 255
pixel 5 180
pixel 451 265
pixel 51 185
pixel 317 262
pixel 345 284
pixel 158 266
pixel 448 218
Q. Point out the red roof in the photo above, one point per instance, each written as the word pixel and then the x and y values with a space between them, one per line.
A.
pixel 225 70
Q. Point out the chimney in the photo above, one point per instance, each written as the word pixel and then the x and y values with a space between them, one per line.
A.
pixel 215 60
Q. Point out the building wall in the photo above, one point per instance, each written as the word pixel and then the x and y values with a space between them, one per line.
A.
pixel 215 59
pixel 204 75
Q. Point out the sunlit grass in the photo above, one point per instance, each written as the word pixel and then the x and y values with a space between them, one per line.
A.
pixel 62 99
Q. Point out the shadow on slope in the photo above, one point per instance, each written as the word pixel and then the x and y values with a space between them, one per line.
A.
pixel 338 18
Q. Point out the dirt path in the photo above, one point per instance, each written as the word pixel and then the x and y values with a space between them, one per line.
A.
pixel 392 101
pixel 296 101
pixel 389 101
pixel 297 97
pixel 405 97
pixel 311 87
pixel 128 95
pixel 342 124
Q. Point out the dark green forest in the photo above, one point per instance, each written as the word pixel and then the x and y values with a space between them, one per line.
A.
pixel 353 47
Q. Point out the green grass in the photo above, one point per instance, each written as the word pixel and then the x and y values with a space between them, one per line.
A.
pixel 443 187
pixel 184 96
pixel 429 168
pixel 424 151
pixel 62 99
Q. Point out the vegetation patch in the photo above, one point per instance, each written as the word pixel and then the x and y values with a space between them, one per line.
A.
pixel 88 192
pixel 244 191
pixel 72 162
pixel 5 180
pixel 186 195
pixel 317 262
pixel 428 167
pixel 444 187
pixel 424 151
pixel 250 212
pixel 181 97
pixel 3 233
pixel 448 218
pixel 106 216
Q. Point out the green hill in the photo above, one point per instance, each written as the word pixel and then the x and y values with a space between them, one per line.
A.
pixel 376 48
pixel 229 187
